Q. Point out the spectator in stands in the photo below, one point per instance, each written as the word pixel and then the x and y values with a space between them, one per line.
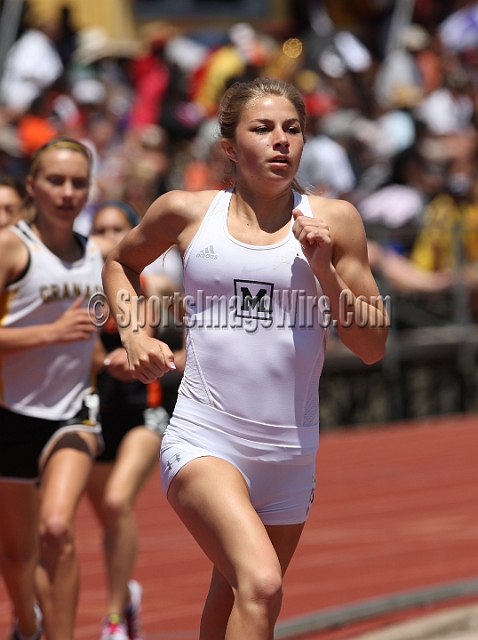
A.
pixel 66 40
pixel 448 238
pixel 150 77
pixel 31 66
pixel 243 51
pixel 325 166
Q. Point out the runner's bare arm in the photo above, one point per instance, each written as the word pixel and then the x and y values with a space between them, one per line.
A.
pixel 172 219
pixel 74 324
pixel 335 245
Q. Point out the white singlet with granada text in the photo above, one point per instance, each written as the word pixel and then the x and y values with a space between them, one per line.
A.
pixel 48 381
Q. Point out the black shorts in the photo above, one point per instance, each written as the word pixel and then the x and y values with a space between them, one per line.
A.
pixel 115 425
pixel 24 439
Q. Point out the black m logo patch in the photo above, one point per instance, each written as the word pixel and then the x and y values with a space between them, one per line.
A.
pixel 253 299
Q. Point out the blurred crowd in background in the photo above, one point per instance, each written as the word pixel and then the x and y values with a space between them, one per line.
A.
pixel 392 124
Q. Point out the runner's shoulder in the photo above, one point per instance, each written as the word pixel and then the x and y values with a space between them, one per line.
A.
pixel 185 204
pixel 14 254
pixel 333 210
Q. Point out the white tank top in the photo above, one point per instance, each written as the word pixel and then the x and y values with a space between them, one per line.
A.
pixel 48 381
pixel 255 339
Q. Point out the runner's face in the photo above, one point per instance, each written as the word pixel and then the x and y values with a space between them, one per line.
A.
pixel 10 205
pixel 269 141
pixel 60 185
pixel 111 223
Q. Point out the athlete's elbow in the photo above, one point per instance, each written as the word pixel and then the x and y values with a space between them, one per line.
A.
pixel 110 266
pixel 105 271
pixel 372 358
pixel 373 353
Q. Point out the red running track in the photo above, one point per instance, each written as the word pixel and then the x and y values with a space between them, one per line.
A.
pixel 396 508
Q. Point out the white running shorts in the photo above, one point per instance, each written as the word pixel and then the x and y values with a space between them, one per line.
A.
pixel 277 465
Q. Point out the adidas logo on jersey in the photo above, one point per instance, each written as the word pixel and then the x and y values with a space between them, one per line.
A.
pixel 208 252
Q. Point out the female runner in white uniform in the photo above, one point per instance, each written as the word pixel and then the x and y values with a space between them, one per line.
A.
pixel 266 271
pixel 259 316
pixel 49 435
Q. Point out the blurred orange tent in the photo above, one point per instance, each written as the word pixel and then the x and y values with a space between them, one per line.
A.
pixel 114 16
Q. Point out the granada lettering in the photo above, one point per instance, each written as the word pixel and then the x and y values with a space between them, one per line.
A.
pixel 67 291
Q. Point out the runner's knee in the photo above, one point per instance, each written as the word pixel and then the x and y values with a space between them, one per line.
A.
pixel 115 506
pixel 55 533
pixel 263 588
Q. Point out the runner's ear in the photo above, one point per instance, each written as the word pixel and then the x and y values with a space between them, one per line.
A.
pixel 229 149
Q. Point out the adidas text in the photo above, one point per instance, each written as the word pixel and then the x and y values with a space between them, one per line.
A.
pixel 208 252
